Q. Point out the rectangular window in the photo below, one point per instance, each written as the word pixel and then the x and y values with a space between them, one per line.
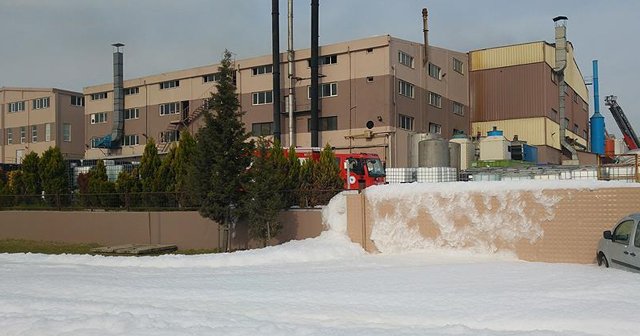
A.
pixel 406 122
pixel 435 100
pixel 325 90
pixel 325 60
pixel 77 101
pixel 261 70
pixel 23 134
pixel 169 84
pixel 211 78
pixel 16 107
pixel 131 113
pixel 95 142
pixel 458 108
pixel 66 132
pixel 47 132
pixel 170 108
pixel 169 136
pixel 99 118
pixel 325 124
pixel 40 103
pixel 262 129
pixel 435 128
pixel 435 71
pixel 405 88
pixel 34 133
pixel 9 136
pixel 131 140
pixel 131 91
pixel 405 59
pixel 576 129
pixel 261 98
pixel 458 66
pixel 99 96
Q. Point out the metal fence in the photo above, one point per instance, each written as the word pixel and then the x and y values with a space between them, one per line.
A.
pixel 142 201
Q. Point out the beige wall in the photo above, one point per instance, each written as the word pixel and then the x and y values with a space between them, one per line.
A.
pixel 188 230
pixel 569 229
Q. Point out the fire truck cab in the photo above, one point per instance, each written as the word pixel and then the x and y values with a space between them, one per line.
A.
pixel 363 169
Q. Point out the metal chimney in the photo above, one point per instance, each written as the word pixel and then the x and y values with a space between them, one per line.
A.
pixel 561 65
pixel 117 128
pixel 275 35
pixel 313 123
pixel 597 120
pixel 425 32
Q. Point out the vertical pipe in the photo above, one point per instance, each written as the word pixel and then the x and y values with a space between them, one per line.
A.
pixel 290 60
pixel 275 34
pixel 561 65
pixel 313 124
pixel 425 32
pixel 597 120
pixel 117 129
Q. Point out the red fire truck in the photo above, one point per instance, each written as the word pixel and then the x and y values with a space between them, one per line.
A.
pixel 358 170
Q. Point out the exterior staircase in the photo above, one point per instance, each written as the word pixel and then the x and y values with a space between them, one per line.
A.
pixel 186 118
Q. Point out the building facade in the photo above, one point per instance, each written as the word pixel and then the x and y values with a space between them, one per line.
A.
pixel 34 119
pixel 388 83
pixel 515 89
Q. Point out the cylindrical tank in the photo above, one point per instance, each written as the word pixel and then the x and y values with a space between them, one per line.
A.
pixel 467 150
pixel 454 155
pixel 433 153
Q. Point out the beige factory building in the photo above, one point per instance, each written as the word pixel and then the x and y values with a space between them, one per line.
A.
pixel 34 119
pixel 381 79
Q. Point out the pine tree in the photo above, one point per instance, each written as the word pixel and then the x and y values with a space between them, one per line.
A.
pixel 53 174
pixel 293 177
pixel 306 184
pixel 184 167
pixel 31 174
pixel 326 178
pixel 149 164
pixel 165 179
pixel 265 191
pixel 102 190
pixel 223 153
pixel 128 186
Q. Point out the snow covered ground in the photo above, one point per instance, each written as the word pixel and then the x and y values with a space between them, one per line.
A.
pixel 321 286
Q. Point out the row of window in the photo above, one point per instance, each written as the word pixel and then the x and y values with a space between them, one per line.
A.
pixel 433 70
pixel 266 97
pixel 66 133
pixel 39 103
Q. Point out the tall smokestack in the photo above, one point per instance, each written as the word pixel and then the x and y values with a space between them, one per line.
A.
pixel 117 128
pixel 313 124
pixel 275 34
pixel 425 32
pixel 561 65
pixel 290 58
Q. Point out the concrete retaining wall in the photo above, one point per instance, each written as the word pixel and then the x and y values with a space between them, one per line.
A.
pixel 562 225
pixel 186 229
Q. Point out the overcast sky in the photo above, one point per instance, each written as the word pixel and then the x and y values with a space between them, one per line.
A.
pixel 66 43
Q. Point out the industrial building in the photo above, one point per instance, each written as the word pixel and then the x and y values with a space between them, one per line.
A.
pixel 515 89
pixel 34 119
pixel 397 87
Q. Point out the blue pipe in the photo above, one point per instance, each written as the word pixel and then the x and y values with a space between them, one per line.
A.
pixel 597 120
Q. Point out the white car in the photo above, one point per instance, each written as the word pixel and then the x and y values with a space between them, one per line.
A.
pixel 621 248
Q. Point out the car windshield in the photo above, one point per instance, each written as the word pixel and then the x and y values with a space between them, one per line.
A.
pixel 375 168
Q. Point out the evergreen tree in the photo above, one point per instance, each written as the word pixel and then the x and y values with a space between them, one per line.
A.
pixel 265 192
pixel 293 177
pixel 128 186
pixel 31 174
pixel 184 167
pixel 306 186
pixel 149 164
pixel 102 190
pixel 326 178
pixel 165 179
pixel 223 153
pixel 15 186
pixel 53 173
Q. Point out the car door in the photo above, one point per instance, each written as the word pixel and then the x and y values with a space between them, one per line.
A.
pixel 619 248
pixel 633 250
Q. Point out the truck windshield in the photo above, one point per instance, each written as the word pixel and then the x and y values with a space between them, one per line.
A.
pixel 375 168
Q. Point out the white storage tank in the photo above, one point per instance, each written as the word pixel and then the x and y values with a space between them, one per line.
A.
pixel 494 147
pixel 467 150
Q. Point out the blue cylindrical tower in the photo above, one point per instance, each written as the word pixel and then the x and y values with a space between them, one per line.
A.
pixel 597 120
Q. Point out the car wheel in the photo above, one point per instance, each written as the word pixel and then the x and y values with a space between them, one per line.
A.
pixel 602 260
